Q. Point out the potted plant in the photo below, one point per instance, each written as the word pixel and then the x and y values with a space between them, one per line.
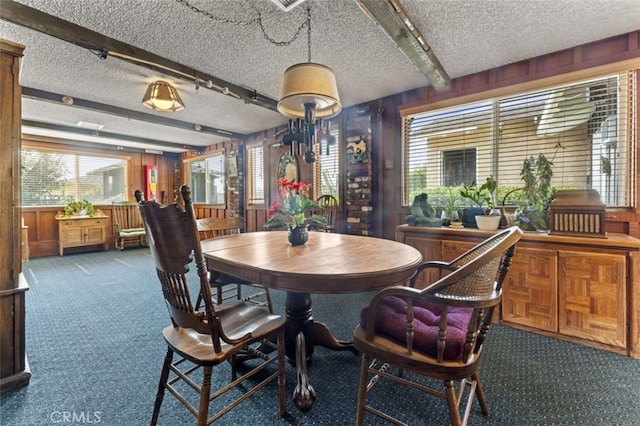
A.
pixel 532 212
pixel 291 211
pixel 79 208
pixel 483 196
pixel 449 206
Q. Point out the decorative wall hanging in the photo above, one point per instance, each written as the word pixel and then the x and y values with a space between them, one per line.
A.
pixel 357 150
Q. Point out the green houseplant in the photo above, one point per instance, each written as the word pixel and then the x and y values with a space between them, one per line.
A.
pixel 532 212
pixel 79 208
pixel 449 206
pixel 483 197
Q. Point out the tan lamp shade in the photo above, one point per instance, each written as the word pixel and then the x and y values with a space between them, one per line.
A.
pixel 309 83
pixel 161 96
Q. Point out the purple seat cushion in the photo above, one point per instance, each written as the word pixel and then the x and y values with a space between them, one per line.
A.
pixel 391 320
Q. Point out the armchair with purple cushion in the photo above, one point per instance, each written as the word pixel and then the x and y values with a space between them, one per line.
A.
pixel 437 331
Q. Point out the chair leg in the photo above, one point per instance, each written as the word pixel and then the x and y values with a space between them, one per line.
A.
pixel 218 294
pixel 163 381
pixel 482 400
pixel 452 400
pixel 362 389
pixel 205 391
pixel 281 374
pixel 268 294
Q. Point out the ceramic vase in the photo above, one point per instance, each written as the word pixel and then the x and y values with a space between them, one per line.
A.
pixel 299 235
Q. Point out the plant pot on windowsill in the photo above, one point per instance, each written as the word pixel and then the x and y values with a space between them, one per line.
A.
pixel 469 216
pixel 482 196
pixel 488 222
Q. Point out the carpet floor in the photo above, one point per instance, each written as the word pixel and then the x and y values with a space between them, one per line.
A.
pixel 94 345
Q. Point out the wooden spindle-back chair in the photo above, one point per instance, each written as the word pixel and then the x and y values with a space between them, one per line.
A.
pixel 127 224
pixel 204 340
pixel 226 287
pixel 329 209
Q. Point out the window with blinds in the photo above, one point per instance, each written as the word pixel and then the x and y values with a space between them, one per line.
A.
pixel 581 127
pixel 326 169
pixel 255 178
pixel 55 178
pixel 207 179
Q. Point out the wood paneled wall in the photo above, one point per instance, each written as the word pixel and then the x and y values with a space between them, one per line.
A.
pixel 587 61
pixel 43 228
pixel 594 59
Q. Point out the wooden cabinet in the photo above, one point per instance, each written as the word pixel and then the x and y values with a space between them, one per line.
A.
pixel 530 291
pixel 592 296
pixel 14 368
pixel 430 249
pixel 577 288
pixel 81 231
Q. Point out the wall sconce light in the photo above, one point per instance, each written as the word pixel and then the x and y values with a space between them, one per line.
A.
pixel 161 96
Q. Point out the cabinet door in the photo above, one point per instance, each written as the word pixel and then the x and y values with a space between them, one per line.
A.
pixel 592 296
pixel 72 235
pixel 430 250
pixel 95 232
pixel 453 249
pixel 530 291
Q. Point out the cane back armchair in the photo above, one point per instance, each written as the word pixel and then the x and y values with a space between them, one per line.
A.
pixel 435 332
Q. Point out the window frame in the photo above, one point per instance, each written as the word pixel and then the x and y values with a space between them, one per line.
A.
pixel 335 129
pixel 223 159
pixel 249 177
pixel 498 94
pixel 43 146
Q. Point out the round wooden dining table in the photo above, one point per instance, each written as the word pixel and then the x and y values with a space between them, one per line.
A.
pixel 327 264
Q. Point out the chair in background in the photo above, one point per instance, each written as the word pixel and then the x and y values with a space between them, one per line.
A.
pixel 204 340
pixel 436 332
pixel 128 224
pixel 329 209
pixel 227 287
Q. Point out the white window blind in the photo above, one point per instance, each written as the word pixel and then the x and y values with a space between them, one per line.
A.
pixel 326 170
pixel 55 178
pixel 255 180
pixel 580 127
pixel 207 179
pixel 447 147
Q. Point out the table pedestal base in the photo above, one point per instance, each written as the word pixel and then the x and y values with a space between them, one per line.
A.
pixel 301 334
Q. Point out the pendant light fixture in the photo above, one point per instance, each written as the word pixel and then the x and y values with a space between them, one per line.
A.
pixel 309 93
pixel 162 96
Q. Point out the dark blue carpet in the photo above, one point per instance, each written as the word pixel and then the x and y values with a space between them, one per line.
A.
pixel 95 349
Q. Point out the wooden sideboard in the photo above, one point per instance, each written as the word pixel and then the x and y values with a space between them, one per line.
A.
pixel 79 231
pixel 581 289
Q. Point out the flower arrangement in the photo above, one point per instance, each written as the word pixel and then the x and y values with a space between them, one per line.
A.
pixel 292 208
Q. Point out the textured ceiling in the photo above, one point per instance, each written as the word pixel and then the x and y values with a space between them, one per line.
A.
pixel 467 36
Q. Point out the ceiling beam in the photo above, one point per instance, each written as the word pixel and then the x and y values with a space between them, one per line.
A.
pixel 43 95
pixel 37 20
pixel 109 135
